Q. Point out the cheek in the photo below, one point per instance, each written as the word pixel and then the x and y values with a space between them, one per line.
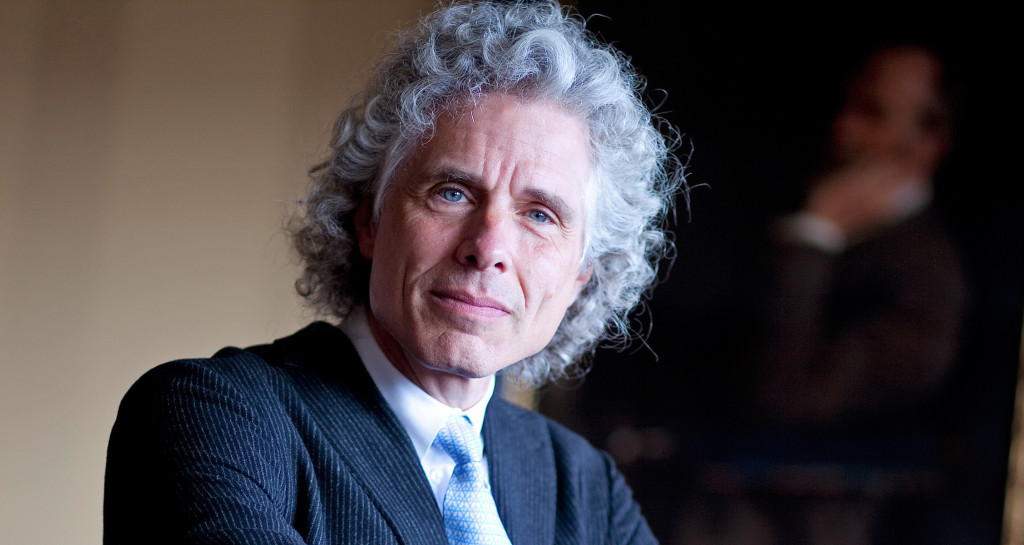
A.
pixel 848 128
pixel 851 136
pixel 413 245
pixel 552 284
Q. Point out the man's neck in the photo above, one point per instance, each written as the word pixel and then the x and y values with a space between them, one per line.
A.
pixel 453 390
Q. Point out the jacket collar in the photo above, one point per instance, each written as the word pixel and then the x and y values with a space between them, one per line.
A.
pixel 358 424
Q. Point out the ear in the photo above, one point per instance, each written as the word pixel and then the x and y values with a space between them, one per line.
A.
pixel 366 229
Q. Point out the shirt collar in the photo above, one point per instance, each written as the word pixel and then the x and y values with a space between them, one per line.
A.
pixel 422 416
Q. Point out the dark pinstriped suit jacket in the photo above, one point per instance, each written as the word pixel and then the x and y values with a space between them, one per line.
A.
pixel 292 443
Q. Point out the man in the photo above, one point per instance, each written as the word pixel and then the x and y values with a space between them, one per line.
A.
pixel 867 294
pixel 865 297
pixel 492 204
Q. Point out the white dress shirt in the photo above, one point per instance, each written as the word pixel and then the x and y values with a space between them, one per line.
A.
pixel 422 416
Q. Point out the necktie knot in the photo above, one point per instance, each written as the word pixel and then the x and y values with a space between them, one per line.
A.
pixel 458 438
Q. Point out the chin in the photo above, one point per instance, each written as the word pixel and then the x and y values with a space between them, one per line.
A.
pixel 472 365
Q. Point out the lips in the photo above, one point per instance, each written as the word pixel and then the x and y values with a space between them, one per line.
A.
pixel 468 303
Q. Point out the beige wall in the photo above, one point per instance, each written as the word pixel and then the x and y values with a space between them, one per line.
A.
pixel 149 153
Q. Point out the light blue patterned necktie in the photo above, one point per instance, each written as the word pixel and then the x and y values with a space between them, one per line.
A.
pixel 470 516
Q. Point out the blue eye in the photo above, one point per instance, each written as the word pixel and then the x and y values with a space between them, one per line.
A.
pixel 538 216
pixel 452 195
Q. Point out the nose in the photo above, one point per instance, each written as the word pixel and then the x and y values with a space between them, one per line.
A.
pixel 486 240
pixel 877 130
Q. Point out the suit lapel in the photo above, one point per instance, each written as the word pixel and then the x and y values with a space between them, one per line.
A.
pixel 363 430
pixel 522 472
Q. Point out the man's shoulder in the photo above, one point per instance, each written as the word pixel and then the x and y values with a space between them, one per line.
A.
pixel 255 359
pixel 567 445
pixel 253 372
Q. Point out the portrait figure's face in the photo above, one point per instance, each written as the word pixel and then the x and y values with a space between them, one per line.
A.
pixel 891 111
pixel 477 251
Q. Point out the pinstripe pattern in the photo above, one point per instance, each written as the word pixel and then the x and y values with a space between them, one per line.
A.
pixel 304 450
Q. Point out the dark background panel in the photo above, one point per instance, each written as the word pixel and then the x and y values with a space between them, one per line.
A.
pixel 752 92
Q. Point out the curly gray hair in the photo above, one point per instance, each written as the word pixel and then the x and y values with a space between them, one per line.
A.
pixel 536 51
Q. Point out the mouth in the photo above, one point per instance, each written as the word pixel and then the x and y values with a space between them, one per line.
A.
pixel 464 303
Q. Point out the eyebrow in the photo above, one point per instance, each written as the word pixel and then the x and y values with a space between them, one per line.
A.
pixel 561 208
pixel 556 203
pixel 453 175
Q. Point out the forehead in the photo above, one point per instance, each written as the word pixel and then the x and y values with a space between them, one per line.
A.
pixel 907 78
pixel 503 129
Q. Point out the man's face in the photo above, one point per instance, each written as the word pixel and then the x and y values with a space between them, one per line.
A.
pixel 477 251
pixel 891 112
